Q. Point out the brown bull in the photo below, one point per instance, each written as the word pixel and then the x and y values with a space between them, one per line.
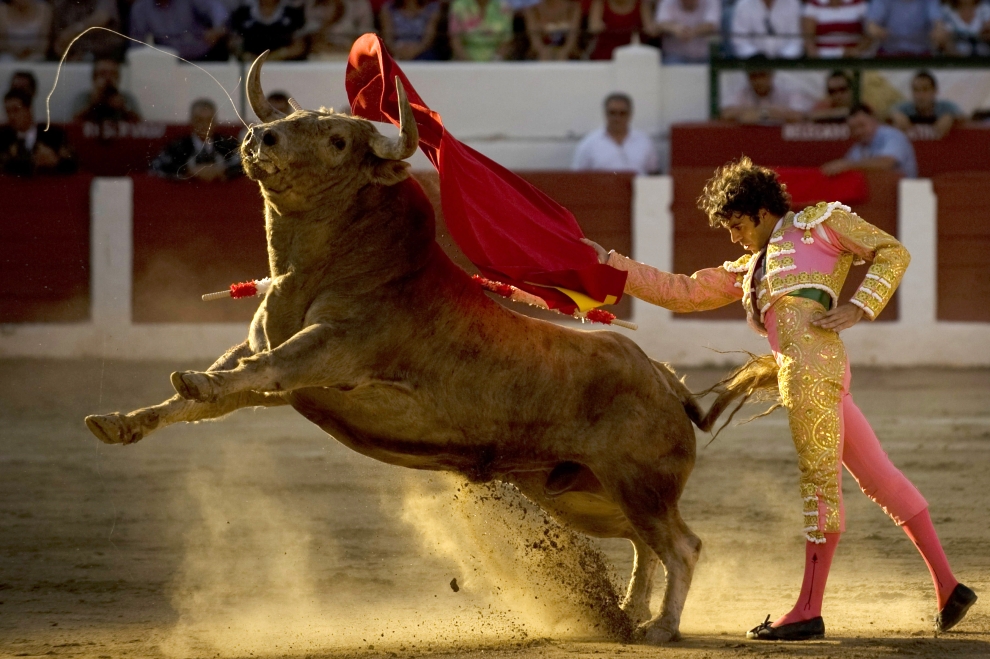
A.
pixel 372 333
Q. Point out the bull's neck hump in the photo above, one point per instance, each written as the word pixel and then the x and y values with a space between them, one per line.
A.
pixel 348 245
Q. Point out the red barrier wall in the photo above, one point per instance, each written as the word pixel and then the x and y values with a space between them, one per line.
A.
pixel 192 238
pixel 963 246
pixel 120 150
pixel 698 246
pixel 712 144
pixel 44 267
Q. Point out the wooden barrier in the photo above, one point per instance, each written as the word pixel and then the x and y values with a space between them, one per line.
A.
pixel 123 149
pixel 698 246
pixel 45 267
pixel 963 246
pixel 711 144
pixel 192 238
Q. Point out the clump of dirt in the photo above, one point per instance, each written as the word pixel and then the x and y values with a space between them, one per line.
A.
pixel 556 580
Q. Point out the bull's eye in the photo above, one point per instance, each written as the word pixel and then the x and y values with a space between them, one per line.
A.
pixel 268 138
pixel 338 142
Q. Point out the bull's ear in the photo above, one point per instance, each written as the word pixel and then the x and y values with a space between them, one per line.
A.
pixel 390 172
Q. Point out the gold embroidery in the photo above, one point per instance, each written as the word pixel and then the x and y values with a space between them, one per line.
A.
pixel 779 263
pixel 706 289
pixel 740 265
pixel 890 259
pixel 812 216
pixel 812 366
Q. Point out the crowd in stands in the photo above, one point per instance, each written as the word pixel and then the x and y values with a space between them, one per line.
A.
pixel 486 30
pixel 765 100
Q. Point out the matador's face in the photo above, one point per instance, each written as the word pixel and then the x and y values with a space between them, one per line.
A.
pixel 751 233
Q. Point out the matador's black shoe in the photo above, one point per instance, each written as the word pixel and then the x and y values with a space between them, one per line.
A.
pixel 805 630
pixel 955 609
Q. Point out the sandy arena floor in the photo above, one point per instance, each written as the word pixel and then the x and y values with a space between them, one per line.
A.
pixel 259 536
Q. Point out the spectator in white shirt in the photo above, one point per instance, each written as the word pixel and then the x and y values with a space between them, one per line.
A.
pixel 686 26
pixel 765 101
pixel 767 27
pixel 616 147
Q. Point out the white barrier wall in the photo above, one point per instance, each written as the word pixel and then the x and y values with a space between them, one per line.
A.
pixel 917 338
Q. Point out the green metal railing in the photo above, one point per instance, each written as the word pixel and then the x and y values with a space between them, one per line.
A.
pixel 721 62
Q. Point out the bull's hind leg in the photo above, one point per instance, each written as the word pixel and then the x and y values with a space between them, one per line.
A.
pixel 119 428
pixel 637 601
pixel 653 514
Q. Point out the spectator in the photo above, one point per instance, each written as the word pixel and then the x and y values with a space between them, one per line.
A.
pixel 616 147
pixel 196 29
pixel 24 80
pixel 925 107
pixel 965 28
pixel 877 146
pixel 25 27
pixel 105 102
pixel 838 100
pixel 480 30
pixel 834 28
pixel 553 27
pixel 767 27
pixel 614 22
pixel 409 28
pixel 334 25
pixel 280 101
pixel 686 26
pixel 763 100
pixel 26 148
pixel 273 25
pixel 201 155
pixel 70 18
pixel 904 27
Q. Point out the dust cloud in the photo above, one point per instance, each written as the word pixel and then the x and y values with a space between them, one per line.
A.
pixel 258 575
pixel 543 578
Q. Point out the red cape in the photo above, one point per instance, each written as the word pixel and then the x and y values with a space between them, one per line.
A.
pixel 510 230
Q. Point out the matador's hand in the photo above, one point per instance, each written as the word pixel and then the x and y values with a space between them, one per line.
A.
pixel 599 250
pixel 842 317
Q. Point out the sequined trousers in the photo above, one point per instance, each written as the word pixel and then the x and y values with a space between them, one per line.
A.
pixel 826 426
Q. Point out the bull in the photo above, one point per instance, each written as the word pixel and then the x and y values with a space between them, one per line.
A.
pixel 372 333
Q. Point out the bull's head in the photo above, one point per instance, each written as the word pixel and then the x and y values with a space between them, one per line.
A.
pixel 298 154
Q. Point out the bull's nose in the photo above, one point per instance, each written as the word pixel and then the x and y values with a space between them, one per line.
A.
pixel 268 138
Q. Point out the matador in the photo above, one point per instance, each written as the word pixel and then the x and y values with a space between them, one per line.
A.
pixel 789 284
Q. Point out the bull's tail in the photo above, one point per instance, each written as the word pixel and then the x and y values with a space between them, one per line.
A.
pixel 756 379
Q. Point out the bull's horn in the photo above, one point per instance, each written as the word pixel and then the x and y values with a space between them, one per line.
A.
pixel 256 95
pixel 405 144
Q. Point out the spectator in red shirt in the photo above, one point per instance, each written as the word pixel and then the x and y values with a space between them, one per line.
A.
pixel 613 22
pixel 834 28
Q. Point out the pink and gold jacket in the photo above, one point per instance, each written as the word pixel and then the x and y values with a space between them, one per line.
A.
pixel 812 249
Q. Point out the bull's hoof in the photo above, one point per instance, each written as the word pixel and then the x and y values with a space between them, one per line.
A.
pixel 195 386
pixel 652 633
pixel 113 429
pixel 638 613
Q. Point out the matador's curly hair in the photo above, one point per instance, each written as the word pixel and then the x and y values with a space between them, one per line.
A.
pixel 743 187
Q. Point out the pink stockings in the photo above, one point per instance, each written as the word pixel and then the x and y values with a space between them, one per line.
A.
pixel 887 486
pixel 817 562
pixel 922 533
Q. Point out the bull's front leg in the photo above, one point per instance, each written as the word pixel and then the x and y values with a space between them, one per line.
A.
pixel 117 428
pixel 307 359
